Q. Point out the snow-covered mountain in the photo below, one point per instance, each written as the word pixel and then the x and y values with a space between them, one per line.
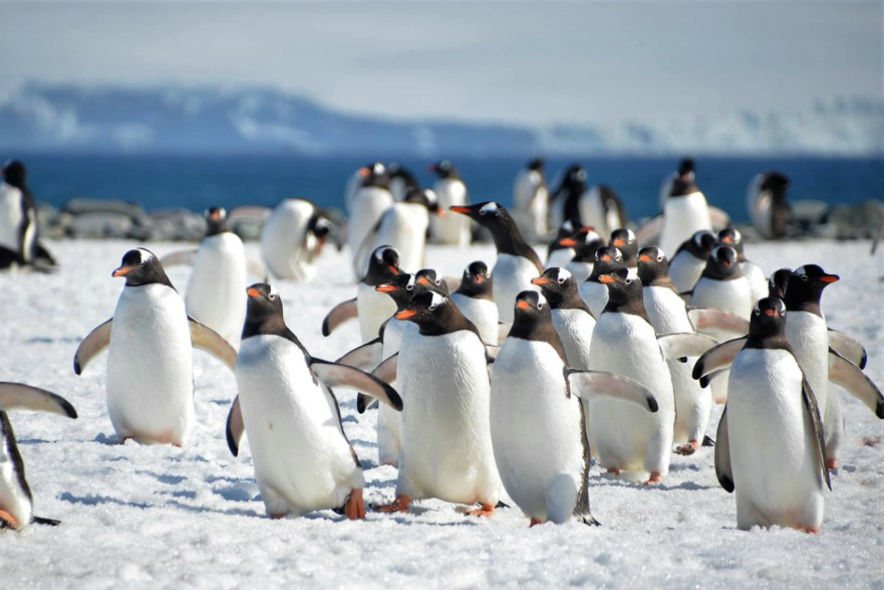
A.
pixel 62 117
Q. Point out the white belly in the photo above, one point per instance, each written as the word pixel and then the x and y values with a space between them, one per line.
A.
pixel 369 203
pixel 374 309
pixel 580 270
pixel 536 429
pixel 575 330
pixel 388 429
pixel 454 228
pixel 592 212
pixel 685 270
pixel 560 258
pixel 216 291
pixel 772 455
pixel 13 498
pixel 683 216
pixel 282 237
pixel 403 226
pixel 731 296
pixel 758 280
pixel 302 460
pixel 447 447
pixel 483 313
pixel 511 275
pixel 808 337
pixel 149 370
pixel 11 216
pixel 595 295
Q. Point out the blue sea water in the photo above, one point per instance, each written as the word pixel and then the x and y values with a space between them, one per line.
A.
pixel 198 182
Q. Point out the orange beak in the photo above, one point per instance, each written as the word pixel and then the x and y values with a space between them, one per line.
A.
pixel 727 240
pixel 479 279
pixel 393 269
pixel 405 314
pixel 457 209
pixel 605 258
pixel 568 242
pixel 645 258
pixel 364 172
pixel 122 271
pixel 771 313
pixel 523 305
pixel 541 281
pixel 424 281
pixel 385 288
pixel 215 216
pixel 619 243
pixel 829 278
pixel 253 292
pixel 607 279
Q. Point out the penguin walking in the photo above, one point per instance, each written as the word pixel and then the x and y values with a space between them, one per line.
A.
pixel 474 299
pixel 537 423
pixel 16 499
pixel 684 173
pixel 446 441
pixel 768 206
pixel 530 197
pixel 517 263
pixel 758 280
pixel 149 371
pixel 593 292
pixel 302 458
pixel 769 447
pixel 292 239
pixel 451 192
pixel 19 240
pixel 368 204
pixel 687 264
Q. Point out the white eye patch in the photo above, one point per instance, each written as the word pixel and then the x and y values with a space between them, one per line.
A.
pixel 489 207
pixel 436 300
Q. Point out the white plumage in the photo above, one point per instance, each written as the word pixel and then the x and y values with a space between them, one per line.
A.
pixel 683 216
pixel 216 291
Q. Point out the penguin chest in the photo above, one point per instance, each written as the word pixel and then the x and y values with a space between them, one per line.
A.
pixel 808 337
pixel 369 204
pixel 404 227
pixel 580 270
pixel 685 270
pixel 595 295
pixel 149 370
pixel 282 237
pixel 216 291
pixel 683 216
pixel 15 497
pixel 511 275
pixel 666 310
pixel 733 296
pixel 575 330
pixel 298 449
pixel 11 216
pixel 374 308
pixel 561 257
pixel 483 313
pixel 758 280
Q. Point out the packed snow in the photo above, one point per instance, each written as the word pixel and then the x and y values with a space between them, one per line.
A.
pixel 161 517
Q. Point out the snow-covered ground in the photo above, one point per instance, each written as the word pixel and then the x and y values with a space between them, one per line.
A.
pixel 157 516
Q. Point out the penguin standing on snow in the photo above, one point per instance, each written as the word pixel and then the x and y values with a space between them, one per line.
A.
pixel 451 192
pixel 685 212
pixel 625 240
pixel 768 206
pixel 474 299
pixel 293 237
pixel 19 242
pixel 587 243
pixel 369 202
pixel 530 200
pixel 687 265
pixel 561 248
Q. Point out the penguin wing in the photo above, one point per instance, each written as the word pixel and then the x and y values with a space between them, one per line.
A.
pixel 650 230
pixel 179 257
pixel 339 314
pixel 719 357
pixel 333 374
pixel 15 396
pixel 365 357
pixel 235 427
pixel 705 380
pixel 685 344
pixel 205 338
pixel 721 454
pixel 707 318
pixel 718 217
pixel 817 429
pixel 848 376
pixel 588 384
pixel 848 347
pixel 96 341
pixel 386 371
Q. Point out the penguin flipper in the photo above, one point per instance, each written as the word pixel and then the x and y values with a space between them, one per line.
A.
pixel 235 427
pixel 848 376
pixel 20 396
pixel 96 341
pixel 179 258
pixel 705 380
pixel 365 357
pixel 817 429
pixel 649 230
pixel 706 318
pixel 205 338
pixel 45 521
pixel 719 357
pixel 685 344
pixel 848 347
pixel 386 371
pixel 339 314
pixel 722 456
pixel 589 384
pixel 333 374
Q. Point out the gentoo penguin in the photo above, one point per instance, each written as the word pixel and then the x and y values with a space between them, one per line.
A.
pixel 571 317
pixel 758 280
pixel 403 226
pixel 369 203
pixel 530 200
pixel 562 248
pixel 601 207
pixel 302 458
pixel 592 291
pixel 687 265
pixel 19 242
pixel 685 212
pixel 517 263
pixel 685 172
pixel 292 239
pixel 401 181
pixel 625 240
pixel 474 299
pixel 563 202
pixel 588 243
pixel 446 442
pixel 769 444
pixel 767 204
pixel 372 308
pixel 16 500
pixel 149 374
pixel 451 192
pixel 668 315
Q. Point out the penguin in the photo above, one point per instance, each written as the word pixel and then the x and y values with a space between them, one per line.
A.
pixel 687 264
pixel 588 243
pixel 768 206
pixel 685 212
pixel 369 203
pixel 592 292
pixel 562 248
pixel 451 192
pixel 602 208
pixel 571 317
pixel 446 441
pixel 770 447
pixel 684 172
pixel 16 499
pixel 517 263
pixel 292 239
pixel 668 314
pixel 302 458
pixel 563 201
pixel 758 280
pixel 530 196
pixel 19 239
pixel 401 181
pixel 403 226
pixel 625 240
pixel 149 372
pixel 537 424
pixel 369 306
pixel 474 299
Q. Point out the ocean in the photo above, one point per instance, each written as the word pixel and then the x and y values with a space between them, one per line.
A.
pixel 197 182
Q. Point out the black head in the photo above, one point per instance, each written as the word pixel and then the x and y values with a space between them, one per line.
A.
pixel 653 265
pixel 264 311
pixel 444 169
pixel 141 267
pixel 565 237
pixel 383 266
pixel 14 173
pixel 557 285
pixel 608 258
pixel 776 183
pixel 426 280
pixel 488 213
pixel 723 264
pixel 435 314
pixel 529 309
pixel 686 167
pixel 625 241
pixel 320 226
pixel 778 282
pixel 397 170
pixel 476 281
pixel 216 220
pixel 624 293
pixel 700 244
pixel 806 286
pixel 733 238
pixel 374 174
pixel 536 164
pixel 576 174
pixel 495 218
pixel 768 318
pixel 586 250
pixel 400 288
pixel 424 197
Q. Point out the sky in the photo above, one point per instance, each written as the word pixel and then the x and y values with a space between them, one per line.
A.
pixel 528 63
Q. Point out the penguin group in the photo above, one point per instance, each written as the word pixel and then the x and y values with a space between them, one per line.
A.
pixel 502 387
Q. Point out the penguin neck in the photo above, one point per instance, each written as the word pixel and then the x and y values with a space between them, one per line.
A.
pixel 717 273
pixel 768 340
pixel 632 305
pixel 565 298
pixel 476 290
pixel 508 240
pixel 806 304
pixel 447 319
pixel 538 329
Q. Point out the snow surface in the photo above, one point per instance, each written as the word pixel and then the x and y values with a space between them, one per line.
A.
pixel 157 516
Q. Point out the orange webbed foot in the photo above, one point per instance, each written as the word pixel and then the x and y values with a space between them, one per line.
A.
pixel 534 522
pixel 486 510
pixel 613 471
pixel 831 464
pixel 10 521
pixel 653 478
pixel 401 504
pixel 354 507
pixel 688 448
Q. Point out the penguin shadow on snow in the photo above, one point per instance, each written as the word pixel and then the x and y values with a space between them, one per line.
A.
pixel 607 479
